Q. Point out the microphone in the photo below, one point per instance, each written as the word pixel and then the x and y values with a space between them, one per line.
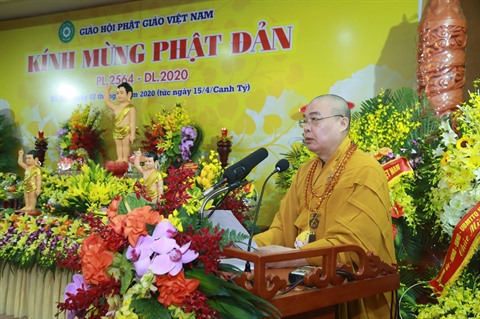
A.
pixel 281 166
pixel 241 169
pixel 238 171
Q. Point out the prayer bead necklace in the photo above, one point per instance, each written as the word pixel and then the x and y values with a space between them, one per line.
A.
pixel 332 182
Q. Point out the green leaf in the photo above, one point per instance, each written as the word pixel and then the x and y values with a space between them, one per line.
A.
pixel 150 309
pixel 130 202
pixel 210 284
pixel 230 308
pixel 222 294
pixel 126 271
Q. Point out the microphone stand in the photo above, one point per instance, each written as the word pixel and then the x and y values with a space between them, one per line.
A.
pixel 215 193
pixel 216 206
pixel 254 224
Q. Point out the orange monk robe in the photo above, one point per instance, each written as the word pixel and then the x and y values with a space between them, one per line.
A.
pixel 357 212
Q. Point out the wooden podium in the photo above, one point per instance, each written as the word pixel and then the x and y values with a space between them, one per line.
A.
pixel 323 287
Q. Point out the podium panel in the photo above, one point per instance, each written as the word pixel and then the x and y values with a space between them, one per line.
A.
pixel 323 288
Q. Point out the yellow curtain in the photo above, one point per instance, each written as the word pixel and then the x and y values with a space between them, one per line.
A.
pixel 32 293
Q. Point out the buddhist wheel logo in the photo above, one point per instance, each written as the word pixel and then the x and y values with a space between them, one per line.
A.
pixel 66 31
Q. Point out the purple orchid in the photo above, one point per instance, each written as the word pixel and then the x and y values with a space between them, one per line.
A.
pixel 188 132
pixel 72 288
pixel 168 256
pixel 164 228
pixel 171 256
pixel 140 255
pixel 185 150
pixel 61 132
pixel 188 136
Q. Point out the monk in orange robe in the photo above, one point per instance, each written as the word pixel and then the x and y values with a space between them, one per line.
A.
pixel 339 197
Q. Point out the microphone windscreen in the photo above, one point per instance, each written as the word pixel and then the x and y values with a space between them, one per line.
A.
pixel 241 169
pixel 282 165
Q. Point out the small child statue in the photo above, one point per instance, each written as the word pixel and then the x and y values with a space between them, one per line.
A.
pixel 152 177
pixel 124 125
pixel 32 180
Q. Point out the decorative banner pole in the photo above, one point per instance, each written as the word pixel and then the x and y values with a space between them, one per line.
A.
pixel 441 54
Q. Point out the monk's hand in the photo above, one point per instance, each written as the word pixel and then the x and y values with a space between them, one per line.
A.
pixel 275 249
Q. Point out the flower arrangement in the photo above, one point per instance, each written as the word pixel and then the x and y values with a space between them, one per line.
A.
pixel 394 126
pixel 27 240
pixel 90 191
pixel 181 276
pixel 173 135
pixel 9 186
pixel 461 301
pixel 458 165
pixel 9 144
pixel 73 160
pixel 82 130
pixel 210 170
pixel 385 121
pixel 151 262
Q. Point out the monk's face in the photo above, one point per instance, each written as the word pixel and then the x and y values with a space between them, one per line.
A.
pixel 324 129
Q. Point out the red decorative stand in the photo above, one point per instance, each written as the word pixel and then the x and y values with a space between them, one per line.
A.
pixel 118 169
pixel 224 147
pixel 41 145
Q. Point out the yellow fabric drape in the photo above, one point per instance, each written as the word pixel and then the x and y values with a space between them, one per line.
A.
pixel 120 132
pixel 33 293
pixel 150 184
pixel 30 178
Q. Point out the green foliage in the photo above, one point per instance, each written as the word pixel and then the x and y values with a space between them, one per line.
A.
pixel 9 145
pixel 296 157
pixel 412 289
pixel 89 191
pixel 393 119
pixel 129 201
pixel 224 296
pixel 228 235
pixel 150 308
pixel 462 300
